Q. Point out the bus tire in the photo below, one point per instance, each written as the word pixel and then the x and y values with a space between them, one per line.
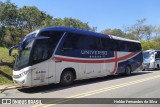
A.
pixel 67 78
pixel 128 70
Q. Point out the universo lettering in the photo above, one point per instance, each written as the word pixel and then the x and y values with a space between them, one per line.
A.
pixel 91 52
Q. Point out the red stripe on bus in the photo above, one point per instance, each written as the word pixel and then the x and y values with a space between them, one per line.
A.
pixel 81 60
pixel 95 61
pixel 116 63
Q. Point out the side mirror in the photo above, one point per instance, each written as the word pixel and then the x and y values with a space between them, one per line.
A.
pixel 13 47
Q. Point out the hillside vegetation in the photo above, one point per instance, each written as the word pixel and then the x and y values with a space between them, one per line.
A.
pixel 6 64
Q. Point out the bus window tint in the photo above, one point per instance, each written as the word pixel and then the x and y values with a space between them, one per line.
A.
pixel 54 38
pixel 40 51
pixel 119 45
pixel 134 47
pixel 81 42
pixel 157 54
pixel 128 46
pixel 87 43
pixel 68 45
pixel 108 44
pixel 122 45
pixel 44 48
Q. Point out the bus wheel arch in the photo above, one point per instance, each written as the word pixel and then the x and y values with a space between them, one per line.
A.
pixel 158 66
pixel 67 77
pixel 128 70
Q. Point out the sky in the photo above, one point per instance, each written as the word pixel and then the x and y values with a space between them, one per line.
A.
pixel 102 14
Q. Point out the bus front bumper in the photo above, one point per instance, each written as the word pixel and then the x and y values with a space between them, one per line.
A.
pixel 146 65
pixel 22 79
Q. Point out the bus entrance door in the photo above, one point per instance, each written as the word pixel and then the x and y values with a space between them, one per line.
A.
pixel 52 71
pixel 40 74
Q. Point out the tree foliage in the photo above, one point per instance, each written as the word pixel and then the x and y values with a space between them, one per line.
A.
pixel 31 17
pixel 115 32
pixel 148 35
pixel 16 22
pixel 148 45
pixel 8 13
pixel 70 22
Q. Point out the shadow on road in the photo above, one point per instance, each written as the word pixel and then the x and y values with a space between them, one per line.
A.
pixel 57 87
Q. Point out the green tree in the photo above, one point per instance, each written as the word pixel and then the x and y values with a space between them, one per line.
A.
pixel 32 17
pixel 74 23
pixel 157 31
pixel 8 13
pixel 137 30
pixel 148 45
pixel 58 22
pixel 8 20
pixel 106 31
pixel 2 34
pixel 17 22
pixel 115 32
pixel 148 31
pixel 47 20
pixel 156 41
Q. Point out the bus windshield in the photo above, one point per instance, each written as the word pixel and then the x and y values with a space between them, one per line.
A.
pixel 148 55
pixel 23 57
pixel 37 48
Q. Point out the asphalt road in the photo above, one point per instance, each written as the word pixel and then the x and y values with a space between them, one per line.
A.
pixel 100 91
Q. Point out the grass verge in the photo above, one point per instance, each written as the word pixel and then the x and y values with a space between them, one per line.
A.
pixel 5 81
pixel 6 65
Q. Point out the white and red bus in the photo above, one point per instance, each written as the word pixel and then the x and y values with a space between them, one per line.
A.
pixel 63 54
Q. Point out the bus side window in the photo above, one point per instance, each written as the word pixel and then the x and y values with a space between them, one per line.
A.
pixel 108 44
pixel 80 42
pixel 68 43
pixel 134 47
pixel 88 43
pixel 157 55
pixel 44 48
pixel 138 45
pixel 40 52
pixel 123 46
pixel 99 43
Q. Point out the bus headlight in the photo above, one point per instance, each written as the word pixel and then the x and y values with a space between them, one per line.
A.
pixel 20 75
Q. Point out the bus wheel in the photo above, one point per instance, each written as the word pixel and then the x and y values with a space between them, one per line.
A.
pixel 67 78
pixel 128 70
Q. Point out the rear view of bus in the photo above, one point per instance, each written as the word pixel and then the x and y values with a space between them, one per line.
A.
pixel 63 54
